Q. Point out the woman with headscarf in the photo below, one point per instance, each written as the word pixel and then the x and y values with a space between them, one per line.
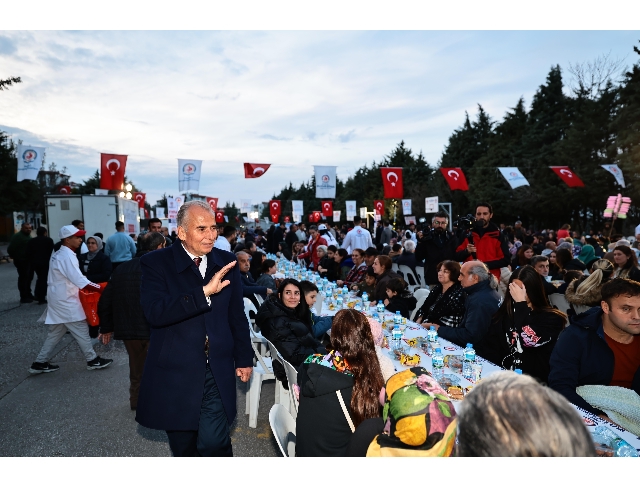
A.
pixel 418 420
pixel 587 255
pixel 95 264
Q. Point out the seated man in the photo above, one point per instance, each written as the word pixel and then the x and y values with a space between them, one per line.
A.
pixel 480 306
pixel 408 256
pixel 602 346
pixel 249 286
pixel 541 264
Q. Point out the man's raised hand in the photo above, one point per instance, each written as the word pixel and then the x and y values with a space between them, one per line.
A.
pixel 216 284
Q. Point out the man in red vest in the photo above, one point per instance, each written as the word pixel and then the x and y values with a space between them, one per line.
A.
pixel 489 243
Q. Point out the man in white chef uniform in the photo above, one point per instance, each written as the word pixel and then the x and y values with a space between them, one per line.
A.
pixel 64 311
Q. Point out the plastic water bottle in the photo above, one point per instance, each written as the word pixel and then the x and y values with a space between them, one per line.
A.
pixel 432 334
pixel 345 290
pixel 396 336
pixel 380 308
pixel 620 446
pixel 469 359
pixel 339 302
pixel 437 365
pixel 518 371
pixel 397 319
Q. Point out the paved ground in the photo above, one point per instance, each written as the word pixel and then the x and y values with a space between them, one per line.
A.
pixel 77 412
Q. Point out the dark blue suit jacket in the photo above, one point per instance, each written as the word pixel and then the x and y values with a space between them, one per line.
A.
pixel 174 304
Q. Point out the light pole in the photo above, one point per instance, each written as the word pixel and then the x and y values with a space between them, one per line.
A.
pixel 394 203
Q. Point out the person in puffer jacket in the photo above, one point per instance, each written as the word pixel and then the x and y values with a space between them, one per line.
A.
pixel 285 320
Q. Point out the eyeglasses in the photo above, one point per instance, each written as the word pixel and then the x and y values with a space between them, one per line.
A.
pixel 443 223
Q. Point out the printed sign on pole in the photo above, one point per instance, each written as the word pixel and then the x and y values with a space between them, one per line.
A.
pixel 431 204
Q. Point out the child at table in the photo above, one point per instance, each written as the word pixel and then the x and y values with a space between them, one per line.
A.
pixel 369 284
pixel 400 298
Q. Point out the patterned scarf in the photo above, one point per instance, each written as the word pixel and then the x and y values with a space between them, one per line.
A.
pixel 333 360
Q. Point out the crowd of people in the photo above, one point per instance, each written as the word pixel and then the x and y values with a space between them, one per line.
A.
pixel 492 286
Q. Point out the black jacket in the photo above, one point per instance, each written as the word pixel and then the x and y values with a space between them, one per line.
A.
pixel 582 357
pixel 405 305
pixel 332 268
pixel 480 306
pixel 381 285
pixel 39 250
pixel 322 429
pixel 444 309
pixel 434 248
pixel 292 337
pixel 119 307
pixel 99 269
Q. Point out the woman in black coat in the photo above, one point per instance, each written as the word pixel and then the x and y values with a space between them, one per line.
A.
pixel 445 304
pixel 95 264
pixel 285 320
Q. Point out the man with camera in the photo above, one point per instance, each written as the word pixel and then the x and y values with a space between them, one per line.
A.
pixel 436 245
pixel 483 240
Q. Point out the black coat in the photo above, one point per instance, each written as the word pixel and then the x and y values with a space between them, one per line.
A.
pixel 119 308
pixel 403 304
pixel 381 285
pixel 583 357
pixel 39 250
pixel 444 309
pixel 322 429
pixel 433 249
pixel 99 269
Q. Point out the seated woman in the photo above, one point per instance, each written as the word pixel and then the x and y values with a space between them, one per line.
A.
pixel 418 420
pixel 357 272
pixel 338 389
pixel 568 278
pixel 566 262
pixel 399 298
pixel 266 279
pixel 327 266
pixel 523 256
pixel 587 255
pixel 626 263
pixel 296 249
pixel 395 252
pixel 511 415
pixel 445 304
pixel 95 264
pixel 525 328
pixel 382 267
pixel 343 262
pixel 283 251
pixel 255 266
pixel 285 321
pixel 587 291
pixel 321 324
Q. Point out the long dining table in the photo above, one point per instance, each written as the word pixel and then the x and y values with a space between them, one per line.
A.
pixel 412 330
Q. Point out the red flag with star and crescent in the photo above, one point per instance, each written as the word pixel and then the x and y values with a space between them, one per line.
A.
pixel 568 176
pixel 213 203
pixel 455 178
pixel 219 216
pixel 252 170
pixel 392 181
pixel 378 207
pixel 275 208
pixel 140 198
pixel 112 168
pixel 327 208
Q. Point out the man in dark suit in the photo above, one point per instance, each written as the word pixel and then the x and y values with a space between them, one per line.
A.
pixel 199 338
pixel 249 286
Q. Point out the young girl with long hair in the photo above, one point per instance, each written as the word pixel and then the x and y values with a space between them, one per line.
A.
pixel 338 389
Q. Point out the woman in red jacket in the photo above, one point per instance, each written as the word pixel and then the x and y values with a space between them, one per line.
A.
pixel 315 239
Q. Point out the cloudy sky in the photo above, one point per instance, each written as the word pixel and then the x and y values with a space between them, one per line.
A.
pixel 289 98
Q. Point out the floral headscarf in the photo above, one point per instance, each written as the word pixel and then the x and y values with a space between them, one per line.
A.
pixel 419 417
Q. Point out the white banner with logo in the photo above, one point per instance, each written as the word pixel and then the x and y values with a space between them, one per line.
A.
pixel 101 192
pixel 513 176
pixel 189 174
pixel 172 208
pixel 325 181
pixel 297 208
pixel 160 212
pixel 431 204
pixel 245 206
pixel 351 209
pixel 616 171
pixel 336 215
pixel 29 162
pixel 406 207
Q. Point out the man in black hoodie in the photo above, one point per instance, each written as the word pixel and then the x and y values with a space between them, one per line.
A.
pixel 121 313
pixel 602 345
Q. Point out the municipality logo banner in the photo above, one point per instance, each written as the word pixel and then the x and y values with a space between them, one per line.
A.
pixel 513 176
pixel 325 181
pixel 29 162
pixel 189 174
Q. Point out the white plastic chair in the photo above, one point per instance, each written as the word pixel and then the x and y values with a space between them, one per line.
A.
pixel 420 274
pixel 559 301
pixel 292 378
pixel 282 395
pixel 263 370
pixel 256 336
pixel 410 277
pixel 259 299
pixel 394 267
pixel 421 296
pixel 284 429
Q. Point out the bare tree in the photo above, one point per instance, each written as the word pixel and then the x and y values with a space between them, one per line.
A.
pixel 590 78
pixel 5 83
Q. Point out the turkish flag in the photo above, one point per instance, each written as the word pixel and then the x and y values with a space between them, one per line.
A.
pixel 219 216
pixel 140 198
pixel 252 170
pixel 213 203
pixel 274 207
pixel 568 176
pixel 378 207
pixel 392 181
pixel 327 208
pixel 65 190
pixel 455 178
pixel 286 219
pixel 317 216
pixel 275 217
pixel 112 168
